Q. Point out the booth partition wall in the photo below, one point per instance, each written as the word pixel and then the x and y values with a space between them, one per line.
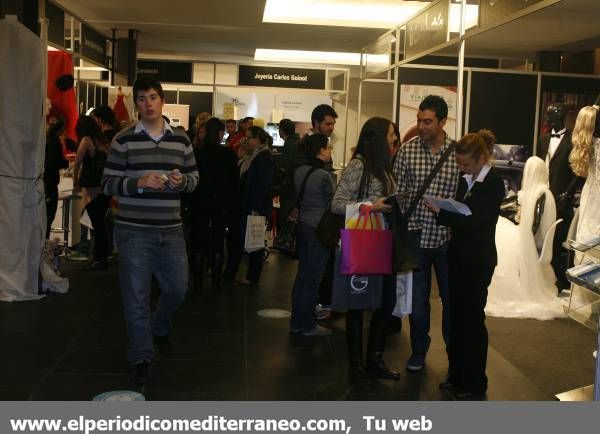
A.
pixel 510 102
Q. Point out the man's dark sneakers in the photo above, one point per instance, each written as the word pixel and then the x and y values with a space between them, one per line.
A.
pixel 163 345
pixel 139 372
pixel 415 363
pixel 447 385
pixel 97 265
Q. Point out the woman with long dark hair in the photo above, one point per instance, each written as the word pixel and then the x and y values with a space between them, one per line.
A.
pixel 89 164
pixel 368 177
pixel 213 202
pixel 317 186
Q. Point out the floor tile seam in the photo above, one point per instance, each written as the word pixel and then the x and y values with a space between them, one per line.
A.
pixel 491 348
pixel 196 359
pixel 87 374
pixel 61 357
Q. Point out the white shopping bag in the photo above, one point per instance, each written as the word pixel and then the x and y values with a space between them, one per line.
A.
pixel 404 283
pixel 85 220
pixel 255 233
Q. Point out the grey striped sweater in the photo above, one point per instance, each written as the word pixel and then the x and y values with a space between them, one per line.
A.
pixel 134 154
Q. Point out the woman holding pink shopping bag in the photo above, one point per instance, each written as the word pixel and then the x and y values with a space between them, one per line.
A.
pixel 368 177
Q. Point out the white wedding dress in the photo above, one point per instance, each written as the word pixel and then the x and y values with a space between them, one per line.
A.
pixel 521 286
pixel 589 207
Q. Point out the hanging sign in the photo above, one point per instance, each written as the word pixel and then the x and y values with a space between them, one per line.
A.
pixel 229 110
pixel 281 77
pixel 56 24
pixel 428 29
pixel 493 11
pixel 93 45
pixel 166 72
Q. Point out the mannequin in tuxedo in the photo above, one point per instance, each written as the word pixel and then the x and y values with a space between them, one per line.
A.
pixel 554 149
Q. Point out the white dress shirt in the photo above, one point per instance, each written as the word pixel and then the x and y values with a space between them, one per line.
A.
pixel 471 182
pixel 553 146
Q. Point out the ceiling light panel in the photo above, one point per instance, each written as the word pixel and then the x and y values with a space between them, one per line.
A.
pixel 318 57
pixel 384 14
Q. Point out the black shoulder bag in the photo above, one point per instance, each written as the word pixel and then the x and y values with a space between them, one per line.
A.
pixel 92 168
pixel 403 256
pixel 285 241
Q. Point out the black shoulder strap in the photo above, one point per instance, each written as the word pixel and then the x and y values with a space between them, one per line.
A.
pixel 429 179
pixel 303 187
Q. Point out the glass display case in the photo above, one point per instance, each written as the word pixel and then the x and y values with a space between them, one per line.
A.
pixel 584 307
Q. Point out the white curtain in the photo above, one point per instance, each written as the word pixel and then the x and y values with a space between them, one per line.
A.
pixel 22 147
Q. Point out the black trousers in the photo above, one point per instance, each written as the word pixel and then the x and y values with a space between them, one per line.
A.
pixel 560 256
pixel 468 347
pixel 51 206
pixel 97 210
pixel 379 322
pixel 326 286
pixel 235 251
pixel 208 232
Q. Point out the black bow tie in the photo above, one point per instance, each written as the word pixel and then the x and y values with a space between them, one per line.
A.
pixel 556 135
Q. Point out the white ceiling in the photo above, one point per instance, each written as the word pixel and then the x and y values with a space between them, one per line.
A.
pixel 230 30
pixel 213 27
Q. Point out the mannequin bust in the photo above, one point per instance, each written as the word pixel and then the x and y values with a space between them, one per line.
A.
pixel 555 116
pixel 554 149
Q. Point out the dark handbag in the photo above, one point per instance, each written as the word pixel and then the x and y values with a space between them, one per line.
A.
pixel 328 230
pixel 92 168
pixel 404 258
pixel 355 291
pixel 285 241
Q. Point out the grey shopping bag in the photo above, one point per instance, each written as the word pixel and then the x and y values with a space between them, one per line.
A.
pixel 355 291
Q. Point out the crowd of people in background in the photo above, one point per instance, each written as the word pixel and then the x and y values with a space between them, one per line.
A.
pixel 183 201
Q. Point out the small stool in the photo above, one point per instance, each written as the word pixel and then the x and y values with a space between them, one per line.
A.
pixel 66 214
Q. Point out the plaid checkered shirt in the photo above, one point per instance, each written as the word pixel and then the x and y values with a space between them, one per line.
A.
pixel 413 164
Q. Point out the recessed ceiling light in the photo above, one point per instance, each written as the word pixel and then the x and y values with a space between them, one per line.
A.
pixel 381 14
pixel 319 57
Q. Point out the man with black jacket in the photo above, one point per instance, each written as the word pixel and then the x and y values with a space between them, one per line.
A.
pixel 554 149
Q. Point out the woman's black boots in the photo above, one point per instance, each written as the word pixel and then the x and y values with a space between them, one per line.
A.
pixel 375 365
pixel 354 339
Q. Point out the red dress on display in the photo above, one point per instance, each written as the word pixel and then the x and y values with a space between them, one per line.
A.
pixel 120 109
pixel 63 101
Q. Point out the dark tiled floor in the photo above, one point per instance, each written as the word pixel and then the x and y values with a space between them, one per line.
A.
pixel 72 347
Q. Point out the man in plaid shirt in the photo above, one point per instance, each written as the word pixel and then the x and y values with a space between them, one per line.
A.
pixel 415 160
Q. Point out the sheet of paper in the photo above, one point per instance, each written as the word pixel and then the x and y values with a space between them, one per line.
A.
pixel 449 205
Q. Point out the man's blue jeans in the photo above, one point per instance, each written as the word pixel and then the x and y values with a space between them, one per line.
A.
pixel 419 319
pixel 143 253
pixel 312 255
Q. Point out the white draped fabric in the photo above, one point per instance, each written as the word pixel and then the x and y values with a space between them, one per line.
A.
pixel 522 287
pixel 22 141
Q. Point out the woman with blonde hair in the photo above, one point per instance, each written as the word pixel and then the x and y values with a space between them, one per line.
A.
pixel 585 160
pixel 471 261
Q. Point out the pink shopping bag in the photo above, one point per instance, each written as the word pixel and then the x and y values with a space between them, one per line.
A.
pixel 366 251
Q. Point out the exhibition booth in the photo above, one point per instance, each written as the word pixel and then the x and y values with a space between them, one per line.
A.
pixel 262 91
pixel 451 49
pixel 469 54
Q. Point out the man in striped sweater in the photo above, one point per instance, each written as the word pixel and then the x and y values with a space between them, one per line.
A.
pixel 149 166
